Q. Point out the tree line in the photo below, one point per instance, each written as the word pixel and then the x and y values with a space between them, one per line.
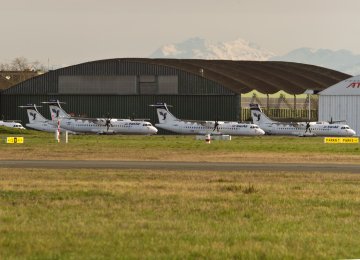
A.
pixel 22 64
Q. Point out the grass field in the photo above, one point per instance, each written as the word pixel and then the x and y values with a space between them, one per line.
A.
pixel 126 214
pixel 178 148
pixel 92 214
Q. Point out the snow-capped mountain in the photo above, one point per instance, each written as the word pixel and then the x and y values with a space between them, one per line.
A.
pixel 341 60
pixel 197 48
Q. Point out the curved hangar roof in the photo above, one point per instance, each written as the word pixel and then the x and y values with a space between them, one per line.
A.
pixel 239 77
pixel 267 77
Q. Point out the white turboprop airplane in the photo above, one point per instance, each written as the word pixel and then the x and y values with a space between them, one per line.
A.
pixel 298 128
pixel 169 122
pixel 98 125
pixel 38 122
pixel 11 123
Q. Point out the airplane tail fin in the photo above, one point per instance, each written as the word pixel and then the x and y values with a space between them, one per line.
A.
pixel 163 113
pixel 56 110
pixel 33 113
pixel 257 115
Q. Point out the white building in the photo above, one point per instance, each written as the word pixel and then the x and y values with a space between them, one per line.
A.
pixel 342 102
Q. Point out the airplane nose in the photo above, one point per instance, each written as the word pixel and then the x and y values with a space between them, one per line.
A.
pixel 260 131
pixel 153 130
pixel 352 132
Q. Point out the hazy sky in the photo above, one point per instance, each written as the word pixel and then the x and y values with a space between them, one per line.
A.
pixel 67 32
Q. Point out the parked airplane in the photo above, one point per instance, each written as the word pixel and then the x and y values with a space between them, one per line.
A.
pixel 11 123
pixel 38 122
pixel 298 128
pixel 169 122
pixel 99 125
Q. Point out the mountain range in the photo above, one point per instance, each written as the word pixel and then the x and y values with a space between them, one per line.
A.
pixel 340 60
pixel 197 48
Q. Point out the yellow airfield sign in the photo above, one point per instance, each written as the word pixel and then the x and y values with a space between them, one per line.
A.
pixel 15 140
pixel 341 140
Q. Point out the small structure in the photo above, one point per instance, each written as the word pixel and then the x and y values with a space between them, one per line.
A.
pixel 342 102
pixel 209 137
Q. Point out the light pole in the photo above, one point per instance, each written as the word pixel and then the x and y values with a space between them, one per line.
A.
pixel 309 92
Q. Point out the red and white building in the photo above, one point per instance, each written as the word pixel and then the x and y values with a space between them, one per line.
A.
pixel 342 102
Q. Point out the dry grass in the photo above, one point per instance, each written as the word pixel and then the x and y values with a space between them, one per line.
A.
pixel 169 214
pixel 135 154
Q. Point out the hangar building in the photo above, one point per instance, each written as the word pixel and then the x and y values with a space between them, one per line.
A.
pixel 342 102
pixel 198 89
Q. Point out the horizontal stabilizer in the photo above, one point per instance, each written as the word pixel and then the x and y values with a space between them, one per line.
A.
pixel 140 119
pixel 30 106
pixel 160 105
pixel 53 102
pixel 255 107
pixel 11 121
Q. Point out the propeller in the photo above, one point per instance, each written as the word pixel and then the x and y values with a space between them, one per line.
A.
pixel 216 126
pixel 307 127
pixel 108 121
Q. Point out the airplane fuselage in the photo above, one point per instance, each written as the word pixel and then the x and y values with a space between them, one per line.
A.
pixel 118 126
pixel 229 128
pixel 298 128
pixel 315 129
pixel 46 127
pixel 11 124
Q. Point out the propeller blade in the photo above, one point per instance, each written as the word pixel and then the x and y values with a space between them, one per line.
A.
pixel 216 125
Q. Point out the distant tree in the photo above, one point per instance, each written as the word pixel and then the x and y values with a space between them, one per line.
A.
pixel 37 66
pixel 22 64
pixel 4 67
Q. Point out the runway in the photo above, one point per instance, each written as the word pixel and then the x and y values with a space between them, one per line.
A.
pixel 197 166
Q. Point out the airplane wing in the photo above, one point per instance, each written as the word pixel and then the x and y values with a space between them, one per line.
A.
pixel 193 121
pixel 11 121
pixel 337 121
pixel 294 124
pixel 82 118
pixel 139 119
pixel 204 123
pixel 99 121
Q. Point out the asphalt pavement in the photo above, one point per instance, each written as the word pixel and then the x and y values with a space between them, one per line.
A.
pixel 196 166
